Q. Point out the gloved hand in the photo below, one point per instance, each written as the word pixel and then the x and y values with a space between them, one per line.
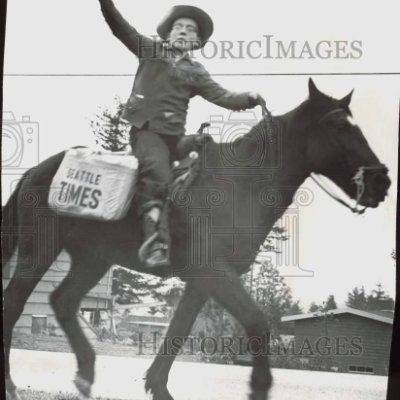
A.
pixel 255 99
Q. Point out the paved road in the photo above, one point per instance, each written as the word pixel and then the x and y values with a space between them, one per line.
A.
pixel 122 378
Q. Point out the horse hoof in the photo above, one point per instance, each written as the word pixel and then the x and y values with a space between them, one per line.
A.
pixel 84 387
pixel 11 390
pixel 83 397
pixel 258 395
pixel 13 395
pixel 159 394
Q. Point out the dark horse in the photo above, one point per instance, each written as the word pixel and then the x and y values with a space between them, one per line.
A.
pixel 218 224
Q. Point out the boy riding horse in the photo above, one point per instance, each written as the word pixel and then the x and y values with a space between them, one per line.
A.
pixel 165 81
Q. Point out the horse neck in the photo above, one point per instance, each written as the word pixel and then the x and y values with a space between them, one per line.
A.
pixel 286 166
pixel 285 142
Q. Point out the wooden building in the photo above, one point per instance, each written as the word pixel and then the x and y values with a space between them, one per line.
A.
pixel 133 326
pixel 352 340
pixel 38 316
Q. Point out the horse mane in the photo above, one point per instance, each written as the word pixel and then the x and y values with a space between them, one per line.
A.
pixel 304 114
pixel 302 109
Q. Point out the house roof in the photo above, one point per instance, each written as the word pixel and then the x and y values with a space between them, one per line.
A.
pixel 148 323
pixel 374 315
pixel 100 296
pixel 149 318
pixel 139 305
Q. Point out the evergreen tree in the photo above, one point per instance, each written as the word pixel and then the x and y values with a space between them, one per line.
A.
pixel 294 309
pixel 170 291
pixel 330 303
pixel 130 287
pixel 357 299
pixel 313 307
pixel 110 130
pixel 378 299
pixel 272 294
pixel 277 234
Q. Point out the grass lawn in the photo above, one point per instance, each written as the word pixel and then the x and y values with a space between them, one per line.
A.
pixel 60 344
pixel 107 348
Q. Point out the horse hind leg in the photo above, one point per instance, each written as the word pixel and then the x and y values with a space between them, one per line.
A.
pixel 85 273
pixel 31 264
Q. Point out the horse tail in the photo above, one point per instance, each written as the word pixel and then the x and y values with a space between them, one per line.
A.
pixel 9 224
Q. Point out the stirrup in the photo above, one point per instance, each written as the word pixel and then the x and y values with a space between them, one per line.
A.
pixel 153 254
pixel 158 256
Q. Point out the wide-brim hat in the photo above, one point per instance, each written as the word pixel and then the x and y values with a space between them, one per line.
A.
pixel 203 20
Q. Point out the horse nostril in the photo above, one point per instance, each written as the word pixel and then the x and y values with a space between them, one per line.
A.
pixel 381 181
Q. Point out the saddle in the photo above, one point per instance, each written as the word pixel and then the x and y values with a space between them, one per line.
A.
pixel 187 153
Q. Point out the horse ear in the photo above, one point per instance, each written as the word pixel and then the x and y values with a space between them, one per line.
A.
pixel 345 102
pixel 313 91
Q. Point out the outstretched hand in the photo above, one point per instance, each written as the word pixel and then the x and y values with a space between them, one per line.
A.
pixel 255 99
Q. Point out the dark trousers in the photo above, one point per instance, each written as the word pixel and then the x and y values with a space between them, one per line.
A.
pixel 154 154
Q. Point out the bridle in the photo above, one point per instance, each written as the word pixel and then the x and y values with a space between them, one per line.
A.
pixel 358 178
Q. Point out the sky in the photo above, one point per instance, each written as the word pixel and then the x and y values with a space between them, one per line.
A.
pixel 62 65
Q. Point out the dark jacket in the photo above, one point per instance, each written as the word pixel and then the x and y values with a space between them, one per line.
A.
pixel 163 85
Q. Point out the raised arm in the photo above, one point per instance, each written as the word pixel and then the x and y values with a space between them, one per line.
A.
pixel 139 44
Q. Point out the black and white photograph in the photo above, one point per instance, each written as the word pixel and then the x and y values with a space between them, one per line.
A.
pixel 199 199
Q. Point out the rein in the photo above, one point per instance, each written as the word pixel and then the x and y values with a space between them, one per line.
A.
pixel 265 112
pixel 358 179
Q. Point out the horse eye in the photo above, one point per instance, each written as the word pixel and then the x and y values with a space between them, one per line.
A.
pixel 341 125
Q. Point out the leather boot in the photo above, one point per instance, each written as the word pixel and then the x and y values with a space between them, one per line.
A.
pixel 153 253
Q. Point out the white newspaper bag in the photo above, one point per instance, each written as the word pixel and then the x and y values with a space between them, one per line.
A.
pixel 92 184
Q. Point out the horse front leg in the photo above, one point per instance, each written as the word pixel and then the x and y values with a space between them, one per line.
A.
pixel 185 315
pixel 229 292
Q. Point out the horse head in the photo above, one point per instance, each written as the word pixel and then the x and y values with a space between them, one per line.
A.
pixel 338 150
